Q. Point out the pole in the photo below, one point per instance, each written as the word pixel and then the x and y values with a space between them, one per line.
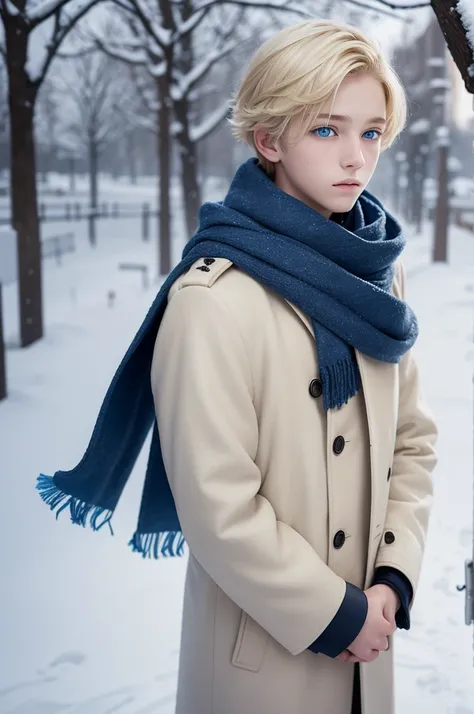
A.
pixel 440 87
pixel 3 374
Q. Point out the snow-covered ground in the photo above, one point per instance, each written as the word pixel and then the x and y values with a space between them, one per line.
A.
pixel 86 626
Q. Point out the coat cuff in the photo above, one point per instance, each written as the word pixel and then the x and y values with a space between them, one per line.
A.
pixel 402 586
pixel 346 624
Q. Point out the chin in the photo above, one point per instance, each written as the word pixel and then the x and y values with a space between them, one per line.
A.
pixel 344 205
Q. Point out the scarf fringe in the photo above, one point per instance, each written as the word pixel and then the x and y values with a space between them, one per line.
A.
pixel 169 544
pixel 82 513
pixel 340 381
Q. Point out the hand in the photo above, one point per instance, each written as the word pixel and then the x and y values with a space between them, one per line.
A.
pixel 383 604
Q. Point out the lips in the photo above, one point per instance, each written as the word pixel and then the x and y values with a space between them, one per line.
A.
pixel 354 184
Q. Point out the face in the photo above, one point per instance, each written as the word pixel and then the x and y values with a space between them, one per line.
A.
pixel 345 145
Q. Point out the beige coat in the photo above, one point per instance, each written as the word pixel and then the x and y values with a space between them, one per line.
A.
pixel 260 495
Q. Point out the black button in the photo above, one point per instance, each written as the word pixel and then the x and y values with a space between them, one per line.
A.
pixel 339 539
pixel 389 474
pixel 389 538
pixel 209 261
pixel 316 388
pixel 338 445
pixel 203 268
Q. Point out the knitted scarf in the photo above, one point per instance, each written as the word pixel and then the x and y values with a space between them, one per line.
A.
pixel 339 275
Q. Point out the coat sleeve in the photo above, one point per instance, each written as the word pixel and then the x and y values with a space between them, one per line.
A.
pixel 411 487
pixel 202 387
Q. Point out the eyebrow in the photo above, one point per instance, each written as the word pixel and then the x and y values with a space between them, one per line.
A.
pixel 339 117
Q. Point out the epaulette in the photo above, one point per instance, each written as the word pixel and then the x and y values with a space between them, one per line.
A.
pixel 204 272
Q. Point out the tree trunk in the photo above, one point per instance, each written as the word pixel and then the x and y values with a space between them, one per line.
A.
pixel 93 188
pixel 164 160
pixel 191 188
pixel 24 205
pixel 456 38
pixel 132 158
pixel 72 175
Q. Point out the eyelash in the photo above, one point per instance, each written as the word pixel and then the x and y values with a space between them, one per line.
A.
pixel 313 131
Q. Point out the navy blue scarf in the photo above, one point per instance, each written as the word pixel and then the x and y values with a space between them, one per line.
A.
pixel 339 275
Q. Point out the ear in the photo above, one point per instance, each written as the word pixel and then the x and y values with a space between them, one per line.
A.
pixel 265 145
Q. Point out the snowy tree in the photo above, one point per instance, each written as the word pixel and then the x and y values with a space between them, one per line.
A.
pixel 91 90
pixel 456 20
pixel 178 43
pixel 24 24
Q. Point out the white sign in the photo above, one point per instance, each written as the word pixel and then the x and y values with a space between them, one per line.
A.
pixel 8 256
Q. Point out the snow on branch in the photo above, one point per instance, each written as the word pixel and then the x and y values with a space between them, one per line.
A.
pixel 397 6
pixel 186 82
pixel 465 9
pixel 455 18
pixel 211 122
pixel 127 53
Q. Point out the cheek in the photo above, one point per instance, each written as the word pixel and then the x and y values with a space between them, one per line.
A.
pixel 372 154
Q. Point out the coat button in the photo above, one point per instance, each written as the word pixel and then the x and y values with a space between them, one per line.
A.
pixel 338 445
pixel 389 538
pixel 209 261
pixel 339 539
pixel 389 474
pixel 316 388
pixel 203 268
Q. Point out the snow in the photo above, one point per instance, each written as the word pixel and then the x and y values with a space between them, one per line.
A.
pixel 90 627
pixel 466 10
pixel 209 123
pixel 421 126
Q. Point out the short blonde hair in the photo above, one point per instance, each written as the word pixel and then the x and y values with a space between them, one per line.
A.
pixel 299 69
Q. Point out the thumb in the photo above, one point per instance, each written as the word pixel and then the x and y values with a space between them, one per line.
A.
pixel 389 617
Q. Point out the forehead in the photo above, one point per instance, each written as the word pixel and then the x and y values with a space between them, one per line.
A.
pixel 358 98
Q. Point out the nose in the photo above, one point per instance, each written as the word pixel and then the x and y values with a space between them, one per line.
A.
pixel 352 155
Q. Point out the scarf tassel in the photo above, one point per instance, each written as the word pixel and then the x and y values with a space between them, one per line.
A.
pixel 340 381
pixel 82 513
pixel 169 544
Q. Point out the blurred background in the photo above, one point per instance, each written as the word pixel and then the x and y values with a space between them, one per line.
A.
pixel 113 132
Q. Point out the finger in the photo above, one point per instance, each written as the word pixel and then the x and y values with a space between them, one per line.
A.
pixel 343 657
pixel 353 659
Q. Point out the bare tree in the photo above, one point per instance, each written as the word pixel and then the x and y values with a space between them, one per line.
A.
pixel 20 20
pixel 178 42
pixel 91 89
pixel 46 127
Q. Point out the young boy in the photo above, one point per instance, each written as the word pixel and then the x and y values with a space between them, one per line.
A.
pixel 289 427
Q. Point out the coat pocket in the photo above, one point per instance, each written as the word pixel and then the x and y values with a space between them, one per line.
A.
pixel 250 646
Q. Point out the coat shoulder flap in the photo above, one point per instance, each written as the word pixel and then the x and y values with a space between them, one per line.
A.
pixel 204 273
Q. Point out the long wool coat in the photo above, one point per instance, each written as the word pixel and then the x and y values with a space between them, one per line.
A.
pixel 277 509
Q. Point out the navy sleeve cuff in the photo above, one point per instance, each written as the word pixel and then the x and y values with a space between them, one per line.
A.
pixel 402 586
pixel 346 624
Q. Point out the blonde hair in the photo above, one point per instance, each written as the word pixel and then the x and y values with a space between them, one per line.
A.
pixel 299 69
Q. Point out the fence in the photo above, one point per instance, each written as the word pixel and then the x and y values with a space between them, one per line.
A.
pixel 65 212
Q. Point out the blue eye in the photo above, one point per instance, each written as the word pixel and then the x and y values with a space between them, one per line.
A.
pixel 372 131
pixel 322 131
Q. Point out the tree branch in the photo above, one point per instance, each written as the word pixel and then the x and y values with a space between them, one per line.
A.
pixel 395 6
pixel 135 10
pixel 60 32
pixel 379 10
pixel 455 35
pixel 210 123
pixel 261 4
